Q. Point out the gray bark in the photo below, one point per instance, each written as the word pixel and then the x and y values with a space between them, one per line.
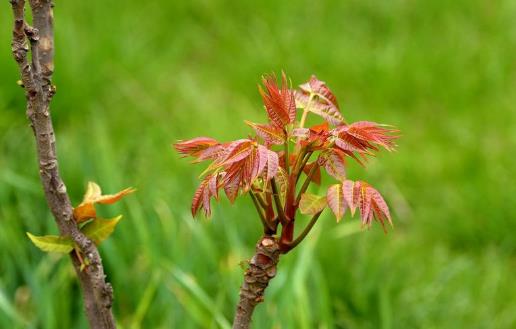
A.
pixel 36 79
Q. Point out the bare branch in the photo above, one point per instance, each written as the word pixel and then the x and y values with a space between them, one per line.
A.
pixel 36 80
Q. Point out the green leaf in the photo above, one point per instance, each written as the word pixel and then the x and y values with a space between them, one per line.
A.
pixel 282 181
pixel 100 229
pixel 311 204
pixel 52 243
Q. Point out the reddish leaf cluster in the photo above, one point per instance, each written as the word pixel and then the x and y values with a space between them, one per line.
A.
pixel 359 194
pixel 236 165
pixel 279 102
pixel 320 100
pixel 269 172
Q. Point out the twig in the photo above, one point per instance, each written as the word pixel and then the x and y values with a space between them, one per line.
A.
pixel 277 201
pixel 260 200
pixel 307 182
pixel 305 232
pixel 266 226
pixel 287 155
pixel 36 78
pixel 305 111
pixel 303 164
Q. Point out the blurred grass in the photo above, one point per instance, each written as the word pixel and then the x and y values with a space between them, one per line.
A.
pixel 134 76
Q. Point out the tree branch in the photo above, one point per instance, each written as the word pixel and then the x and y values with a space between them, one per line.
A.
pixel 36 80
pixel 262 268
pixel 267 228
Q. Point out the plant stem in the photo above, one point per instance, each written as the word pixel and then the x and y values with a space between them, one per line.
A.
pixel 260 200
pixel 305 232
pixel 36 78
pixel 305 112
pixel 303 164
pixel 287 160
pixel 303 118
pixel 305 185
pixel 262 268
pixel 277 201
pixel 299 160
pixel 266 226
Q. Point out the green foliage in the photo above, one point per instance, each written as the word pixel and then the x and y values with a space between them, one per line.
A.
pixel 442 71
pixel 311 204
pixel 52 243
pixel 99 229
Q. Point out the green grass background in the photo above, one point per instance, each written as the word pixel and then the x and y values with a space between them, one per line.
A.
pixel 134 76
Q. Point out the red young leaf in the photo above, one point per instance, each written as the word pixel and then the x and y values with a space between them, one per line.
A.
pixel 272 165
pixel 207 189
pixel 321 129
pixel 279 103
pixel 194 147
pixel 319 99
pixel 361 137
pixel 231 186
pixel 206 202
pixel 336 201
pixel 237 151
pixel 319 88
pixel 379 208
pixel 263 156
pixel 369 201
pixel 197 199
pixel 316 177
pixel 364 202
pixel 335 164
pixel 271 134
pixel 210 153
pixel 212 185
pixel 315 138
pixel 347 190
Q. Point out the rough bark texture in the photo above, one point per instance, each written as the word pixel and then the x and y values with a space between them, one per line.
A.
pixel 36 79
pixel 262 268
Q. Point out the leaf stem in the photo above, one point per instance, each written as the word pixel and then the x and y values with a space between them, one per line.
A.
pixel 299 160
pixel 305 111
pixel 260 200
pixel 265 223
pixel 287 160
pixel 303 164
pixel 277 201
pixel 305 232
pixel 305 185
